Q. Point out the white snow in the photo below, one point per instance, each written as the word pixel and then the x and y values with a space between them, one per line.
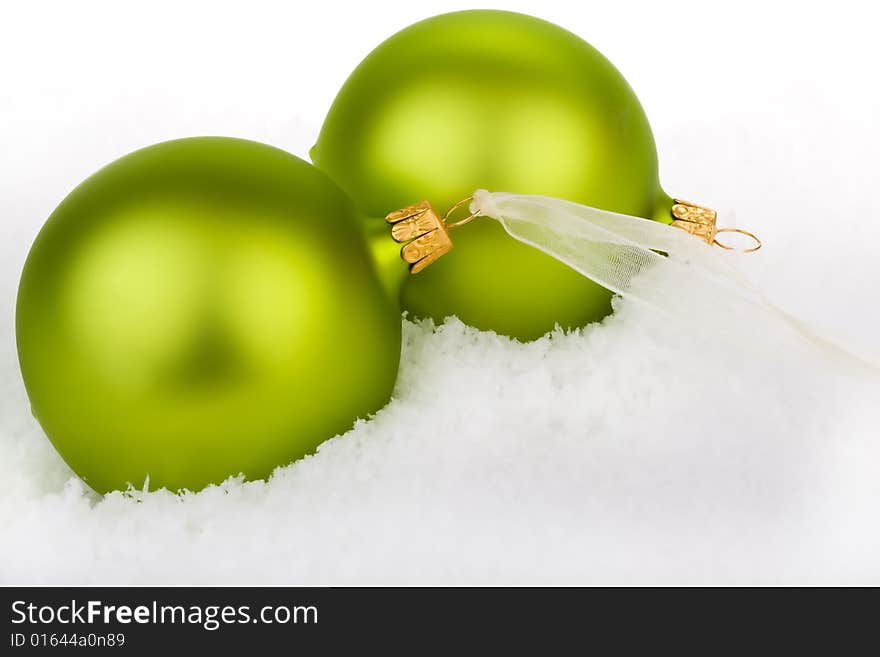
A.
pixel 629 452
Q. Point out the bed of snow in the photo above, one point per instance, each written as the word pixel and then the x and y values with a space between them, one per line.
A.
pixel 628 452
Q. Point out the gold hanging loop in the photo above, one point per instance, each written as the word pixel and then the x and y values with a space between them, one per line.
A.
pixel 460 222
pixel 741 232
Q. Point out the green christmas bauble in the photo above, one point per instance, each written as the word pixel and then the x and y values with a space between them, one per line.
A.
pixel 505 102
pixel 198 309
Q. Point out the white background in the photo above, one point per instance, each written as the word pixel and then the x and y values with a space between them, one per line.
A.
pixel 766 110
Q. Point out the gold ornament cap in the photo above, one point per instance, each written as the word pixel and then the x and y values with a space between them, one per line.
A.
pixel 701 222
pixel 423 233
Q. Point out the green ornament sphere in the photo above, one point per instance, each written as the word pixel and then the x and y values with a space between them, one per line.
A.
pixel 198 309
pixel 505 102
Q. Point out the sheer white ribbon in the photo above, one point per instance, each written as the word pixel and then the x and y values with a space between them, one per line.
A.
pixel 660 266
